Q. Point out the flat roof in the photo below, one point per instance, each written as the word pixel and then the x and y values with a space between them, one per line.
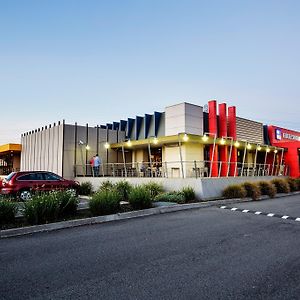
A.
pixel 10 147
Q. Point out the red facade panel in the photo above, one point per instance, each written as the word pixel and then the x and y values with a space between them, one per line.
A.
pixel 290 140
pixel 223 150
pixel 232 133
pixel 213 129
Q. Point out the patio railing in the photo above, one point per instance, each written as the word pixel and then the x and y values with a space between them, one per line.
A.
pixel 177 169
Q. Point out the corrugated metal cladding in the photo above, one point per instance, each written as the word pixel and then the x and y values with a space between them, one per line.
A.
pixel 249 130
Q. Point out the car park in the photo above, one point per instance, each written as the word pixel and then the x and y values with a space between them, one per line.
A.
pixel 24 184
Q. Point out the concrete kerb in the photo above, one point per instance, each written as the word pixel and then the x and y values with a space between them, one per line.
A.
pixel 124 216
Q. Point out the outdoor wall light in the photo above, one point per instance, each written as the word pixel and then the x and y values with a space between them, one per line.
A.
pixel 106 145
pixel 236 144
pixel 205 138
pixel 249 146
pixel 129 144
pixel 80 143
pixel 185 137
pixel 258 148
pixel 268 150
pixel 222 142
pixel 155 141
pixel 87 147
pixel 275 151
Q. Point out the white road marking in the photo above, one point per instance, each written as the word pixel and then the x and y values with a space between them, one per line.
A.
pixel 298 219
pixel 245 210
pixel 285 217
pixel 257 213
pixel 270 215
pixel 234 208
pixel 223 207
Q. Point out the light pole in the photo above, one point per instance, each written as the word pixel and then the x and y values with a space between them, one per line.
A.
pixel 265 162
pixel 258 148
pixel 223 143
pixel 247 146
pixel 185 139
pixel 87 147
pixel 205 138
pixel 155 141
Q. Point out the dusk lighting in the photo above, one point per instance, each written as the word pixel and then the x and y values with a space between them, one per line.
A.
pixel 205 138
pixel 185 137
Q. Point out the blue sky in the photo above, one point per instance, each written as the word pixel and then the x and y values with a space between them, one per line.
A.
pixel 101 61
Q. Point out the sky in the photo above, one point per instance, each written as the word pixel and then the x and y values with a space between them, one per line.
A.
pixel 101 61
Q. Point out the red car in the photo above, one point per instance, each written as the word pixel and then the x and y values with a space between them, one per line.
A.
pixel 23 184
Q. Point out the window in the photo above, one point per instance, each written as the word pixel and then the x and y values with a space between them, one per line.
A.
pixel 51 176
pixel 27 177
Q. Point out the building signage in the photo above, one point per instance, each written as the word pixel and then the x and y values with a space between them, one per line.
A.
pixel 279 135
pixel 289 136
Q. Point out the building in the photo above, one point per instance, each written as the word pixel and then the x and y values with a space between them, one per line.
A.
pixel 184 141
pixel 10 155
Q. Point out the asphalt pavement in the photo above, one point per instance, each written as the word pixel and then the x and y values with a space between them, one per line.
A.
pixel 209 253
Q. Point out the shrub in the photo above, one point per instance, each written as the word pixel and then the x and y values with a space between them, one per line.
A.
pixel 252 189
pixel 140 197
pixel 281 185
pixel 267 188
pixel 293 184
pixel 154 189
pixel 68 202
pixel 170 197
pixel 48 207
pixel 105 202
pixel 8 211
pixel 297 181
pixel 123 188
pixel 106 186
pixel 85 188
pixel 234 191
pixel 42 208
pixel 189 193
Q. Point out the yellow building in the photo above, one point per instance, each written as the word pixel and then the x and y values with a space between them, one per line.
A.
pixel 10 156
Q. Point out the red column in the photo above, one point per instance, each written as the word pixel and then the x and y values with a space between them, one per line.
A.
pixel 232 133
pixel 292 160
pixel 223 133
pixel 213 129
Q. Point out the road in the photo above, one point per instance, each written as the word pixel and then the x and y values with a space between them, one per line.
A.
pixel 209 253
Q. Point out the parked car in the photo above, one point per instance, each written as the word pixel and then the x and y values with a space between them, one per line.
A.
pixel 24 184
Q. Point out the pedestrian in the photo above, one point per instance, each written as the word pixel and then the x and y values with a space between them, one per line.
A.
pixel 96 165
pixel 143 168
pixel 92 165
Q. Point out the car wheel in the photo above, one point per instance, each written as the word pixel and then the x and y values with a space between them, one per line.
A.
pixel 25 195
pixel 73 192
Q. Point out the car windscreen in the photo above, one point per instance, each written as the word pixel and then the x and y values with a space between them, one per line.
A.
pixel 10 176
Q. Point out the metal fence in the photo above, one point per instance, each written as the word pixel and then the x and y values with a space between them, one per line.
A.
pixel 178 169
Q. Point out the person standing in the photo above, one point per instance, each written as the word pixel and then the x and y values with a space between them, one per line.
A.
pixel 92 165
pixel 96 165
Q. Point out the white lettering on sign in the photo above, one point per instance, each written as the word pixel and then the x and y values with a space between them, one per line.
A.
pixel 289 136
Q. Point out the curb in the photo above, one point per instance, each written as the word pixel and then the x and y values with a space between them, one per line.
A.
pixel 125 216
